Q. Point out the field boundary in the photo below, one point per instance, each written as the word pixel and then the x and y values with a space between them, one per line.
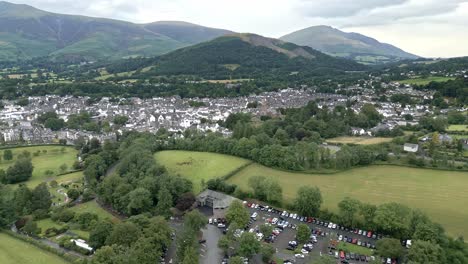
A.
pixel 62 254
pixel 234 172
pixel 33 145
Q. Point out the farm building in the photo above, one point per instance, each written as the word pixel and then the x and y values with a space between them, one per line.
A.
pixel 413 148
pixel 219 202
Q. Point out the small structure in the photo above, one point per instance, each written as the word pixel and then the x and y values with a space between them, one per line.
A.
pixel 413 148
pixel 445 138
pixel 220 202
pixel 82 244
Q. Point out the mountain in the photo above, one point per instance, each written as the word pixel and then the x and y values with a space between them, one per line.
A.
pixel 27 32
pixel 248 56
pixel 348 45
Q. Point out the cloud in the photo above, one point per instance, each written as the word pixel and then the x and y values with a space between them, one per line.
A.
pixel 342 8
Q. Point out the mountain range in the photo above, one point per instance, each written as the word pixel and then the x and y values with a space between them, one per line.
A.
pixel 347 45
pixel 27 32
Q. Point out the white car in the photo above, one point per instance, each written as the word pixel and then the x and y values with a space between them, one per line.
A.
pixel 334 226
pixel 221 225
pixel 254 215
pixel 389 261
pixel 303 251
pixel 330 225
pixel 210 221
pixel 340 238
pixel 299 256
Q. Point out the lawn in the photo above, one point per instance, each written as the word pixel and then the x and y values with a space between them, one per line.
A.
pixel 458 128
pixel 45 224
pixel 358 140
pixel 424 81
pixel 14 251
pixel 441 194
pixel 198 166
pixel 93 207
pixel 347 247
pixel 46 161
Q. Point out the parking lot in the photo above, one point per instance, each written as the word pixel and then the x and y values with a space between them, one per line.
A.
pixel 322 237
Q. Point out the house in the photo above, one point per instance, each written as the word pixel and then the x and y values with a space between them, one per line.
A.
pixel 413 148
pixel 219 202
pixel 445 138
pixel 355 131
pixel 82 244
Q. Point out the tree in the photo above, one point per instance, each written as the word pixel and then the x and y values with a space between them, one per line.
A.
pixel 195 220
pixel 224 243
pixel 393 219
pixel 266 230
pixel 124 234
pixel 267 251
pixel 236 260
pixel 140 201
pixel 7 212
pixel 185 201
pixel 248 245
pixel 308 200
pixel 7 154
pixel 237 214
pixel 303 233
pixel 73 194
pixel 41 199
pixel 348 208
pixel 190 256
pixel 20 171
pixel 23 200
pixel 31 228
pixel 163 208
pixel 63 168
pixel 389 248
pixel 120 120
pixel 422 252
pixel 144 251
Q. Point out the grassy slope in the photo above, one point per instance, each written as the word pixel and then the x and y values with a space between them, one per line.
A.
pixel 424 81
pixel 10 247
pixel 441 194
pixel 198 165
pixel 51 160
pixel 359 140
pixel 458 128
pixel 93 207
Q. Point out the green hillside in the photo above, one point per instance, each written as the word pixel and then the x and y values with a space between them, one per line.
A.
pixel 348 45
pixel 253 56
pixel 27 32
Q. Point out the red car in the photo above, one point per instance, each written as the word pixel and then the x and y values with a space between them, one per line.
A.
pixel 355 241
pixel 249 205
pixel 309 220
pixel 369 234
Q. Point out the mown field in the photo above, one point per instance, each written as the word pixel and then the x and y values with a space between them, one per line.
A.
pixel 198 166
pixel 441 194
pixel 424 81
pixel 359 140
pixel 458 128
pixel 50 158
pixel 14 251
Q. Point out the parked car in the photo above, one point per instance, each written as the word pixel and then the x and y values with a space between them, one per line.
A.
pixel 299 256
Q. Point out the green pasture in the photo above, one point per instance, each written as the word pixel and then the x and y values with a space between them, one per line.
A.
pixel 424 81
pixel 15 251
pixel 441 194
pixel 50 158
pixel 198 166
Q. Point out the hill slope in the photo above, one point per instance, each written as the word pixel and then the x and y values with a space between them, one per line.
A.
pixel 349 45
pixel 27 32
pixel 248 56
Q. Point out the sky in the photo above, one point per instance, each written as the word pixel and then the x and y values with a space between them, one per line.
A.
pixel 429 28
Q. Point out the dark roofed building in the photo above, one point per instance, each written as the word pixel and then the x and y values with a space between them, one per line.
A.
pixel 220 202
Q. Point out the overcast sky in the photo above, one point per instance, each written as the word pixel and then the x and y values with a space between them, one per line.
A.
pixel 431 28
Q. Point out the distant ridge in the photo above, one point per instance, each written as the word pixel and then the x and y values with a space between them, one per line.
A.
pixel 27 32
pixel 348 45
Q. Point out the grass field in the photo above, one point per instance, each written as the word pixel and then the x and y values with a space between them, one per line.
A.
pixel 424 81
pixel 441 194
pixel 347 247
pixel 198 165
pixel 14 251
pixel 45 224
pixel 51 160
pixel 458 128
pixel 359 140
pixel 93 207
